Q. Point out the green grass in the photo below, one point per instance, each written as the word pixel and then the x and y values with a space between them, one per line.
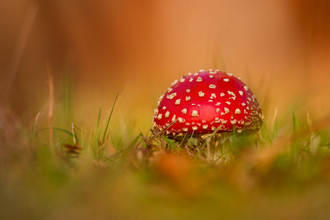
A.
pixel 281 172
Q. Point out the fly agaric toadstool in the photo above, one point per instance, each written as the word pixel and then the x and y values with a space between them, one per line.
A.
pixel 205 101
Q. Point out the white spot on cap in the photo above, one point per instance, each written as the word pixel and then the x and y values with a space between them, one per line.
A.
pixel 211 86
pixel 222 94
pixel 237 111
pixel 226 111
pixel 201 70
pixel 226 80
pixel 184 129
pixel 245 112
pixel 159 116
pixel 169 89
pixel 188 98
pixel 175 81
pixel 243 104
pixel 167 114
pixel 218 109
pixel 156 111
pixel 213 128
pixel 246 88
pixel 177 102
pixel 182 80
pixel 189 74
pixel 187 90
pixel 191 79
pixel 199 79
pixel 213 96
pixel 160 97
pixel 240 92
pixel 199 124
pixel 203 121
pixel 211 76
pixel 201 94
pixel 218 103
pixel 233 95
pixel 195 74
pixel 210 100
pixel 195 128
pixel 205 126
pixel 173 118
pixel 228 103
pixel 187 124
pixel 181 120
pixel 194 113
pixel 229 74
pixel 233 122
pixel 184 111
pixel 171 96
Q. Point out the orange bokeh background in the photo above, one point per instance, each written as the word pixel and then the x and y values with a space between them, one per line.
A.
pixel 281 49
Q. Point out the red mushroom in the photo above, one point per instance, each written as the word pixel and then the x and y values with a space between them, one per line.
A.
pixel 205 101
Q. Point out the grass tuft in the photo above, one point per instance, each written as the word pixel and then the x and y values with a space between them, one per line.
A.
pixel 268 174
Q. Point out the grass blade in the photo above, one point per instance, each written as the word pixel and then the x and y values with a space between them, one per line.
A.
pixel 60 129
pixel 35 125
pixel 106 128
pixel 294 122
pixel 98 120
pixel 125 150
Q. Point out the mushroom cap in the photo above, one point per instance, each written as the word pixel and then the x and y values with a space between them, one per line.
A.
pixel 202 102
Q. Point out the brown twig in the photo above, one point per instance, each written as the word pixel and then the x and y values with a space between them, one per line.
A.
pixel 11 70
pixel 51 106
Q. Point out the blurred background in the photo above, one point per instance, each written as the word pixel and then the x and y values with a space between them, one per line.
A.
pixel 96 49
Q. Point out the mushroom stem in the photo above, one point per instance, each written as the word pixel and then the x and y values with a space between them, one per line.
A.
pixel 217 143
pixel 219 153
pixel 212 143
